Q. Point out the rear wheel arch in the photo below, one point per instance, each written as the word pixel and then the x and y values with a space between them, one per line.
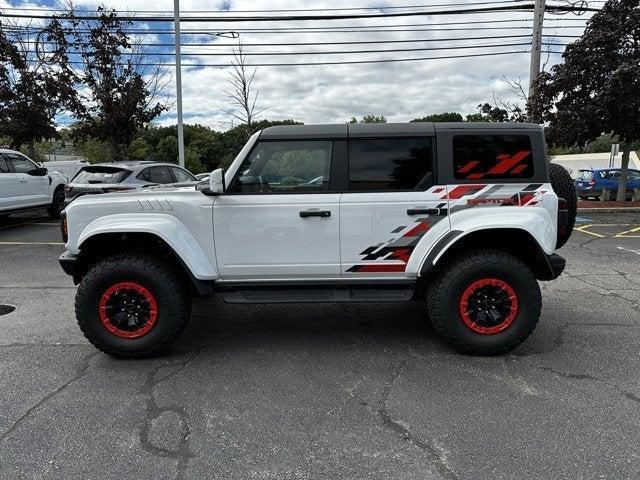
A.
pixel 515 241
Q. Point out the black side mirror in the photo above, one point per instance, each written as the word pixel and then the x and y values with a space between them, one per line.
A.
pixel 38 172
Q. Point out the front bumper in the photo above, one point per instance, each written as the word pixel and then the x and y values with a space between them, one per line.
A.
pixel 68 262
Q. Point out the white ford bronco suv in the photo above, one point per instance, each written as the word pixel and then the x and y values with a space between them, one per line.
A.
pixel 26 185
pixel 465 217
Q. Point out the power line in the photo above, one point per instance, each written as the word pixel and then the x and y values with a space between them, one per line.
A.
pixel 283 18
pixel 339 52
pixel 390 60
pixel 296 44
pixel 395 7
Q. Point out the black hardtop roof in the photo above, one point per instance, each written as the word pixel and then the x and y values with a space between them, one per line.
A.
pixel 282 132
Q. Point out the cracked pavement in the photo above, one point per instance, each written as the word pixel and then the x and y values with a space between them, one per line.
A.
pixel 358 391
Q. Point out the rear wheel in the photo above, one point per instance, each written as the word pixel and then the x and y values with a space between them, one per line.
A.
pixel 132 306
pixel 57 205
pixel 564 187
pixel 485 303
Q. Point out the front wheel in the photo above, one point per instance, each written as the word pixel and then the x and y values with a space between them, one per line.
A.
pixel 57 204
pixel 485 303
pixel 132 306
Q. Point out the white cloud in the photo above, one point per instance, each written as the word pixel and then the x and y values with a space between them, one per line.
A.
pixel 327 94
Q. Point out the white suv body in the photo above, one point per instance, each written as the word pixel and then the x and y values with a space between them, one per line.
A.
pixel 25 185
pixel 340 213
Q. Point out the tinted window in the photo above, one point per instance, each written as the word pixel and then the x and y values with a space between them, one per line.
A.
pixel 586 175
pixel 20 163
pixel 390 164
pixel 634 175
pixel 492 156
pixel 182 175
pixel 276 167
pixel 100 175
pixel 156 175
pixel 4 168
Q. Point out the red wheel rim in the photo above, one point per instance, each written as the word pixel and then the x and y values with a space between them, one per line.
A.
pixel 488 306
pixel 128 310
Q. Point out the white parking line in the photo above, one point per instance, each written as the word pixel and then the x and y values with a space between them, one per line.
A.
pixel 629 250
pixel 31 243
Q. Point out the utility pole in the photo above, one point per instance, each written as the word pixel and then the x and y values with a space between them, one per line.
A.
pixel 176 34
pixel 536 44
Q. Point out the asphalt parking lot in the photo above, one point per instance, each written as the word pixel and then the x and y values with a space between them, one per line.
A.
pixel 325 391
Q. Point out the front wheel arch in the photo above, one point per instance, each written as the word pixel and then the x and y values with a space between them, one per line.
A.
pixel 103 245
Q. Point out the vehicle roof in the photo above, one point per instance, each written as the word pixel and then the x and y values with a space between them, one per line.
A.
pixel 382 129
pixel 131 165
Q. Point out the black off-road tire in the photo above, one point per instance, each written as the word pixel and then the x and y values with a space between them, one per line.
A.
pixel 446 292
pixel 57 205
pixel 564 187
pixel 160 279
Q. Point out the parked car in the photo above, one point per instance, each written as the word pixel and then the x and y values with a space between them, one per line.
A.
pixel 463 217
pixel 120 176
pixel 26 185
pixel 590 182
pixel 67 167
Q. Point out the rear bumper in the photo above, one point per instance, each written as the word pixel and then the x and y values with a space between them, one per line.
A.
pixel 68 262
pixel 556 265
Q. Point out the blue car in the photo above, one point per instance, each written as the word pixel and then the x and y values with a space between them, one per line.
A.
pixel 591 182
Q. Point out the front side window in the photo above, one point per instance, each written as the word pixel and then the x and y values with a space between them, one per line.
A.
pixel 492 156
pixel 20 163
pixel 160 175
pixel 4 168
pixel 285 167
pixel 390 164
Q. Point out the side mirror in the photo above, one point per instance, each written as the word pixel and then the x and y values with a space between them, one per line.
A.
pixel 216 184
pixel 216 181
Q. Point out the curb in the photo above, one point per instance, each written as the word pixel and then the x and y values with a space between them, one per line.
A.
pixel 608 209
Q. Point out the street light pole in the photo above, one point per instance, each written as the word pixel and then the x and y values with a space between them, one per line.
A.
pixel 536 44
pixel 176 30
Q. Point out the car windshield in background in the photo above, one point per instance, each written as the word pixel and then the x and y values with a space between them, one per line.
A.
pixel 586 175
pixel 100 175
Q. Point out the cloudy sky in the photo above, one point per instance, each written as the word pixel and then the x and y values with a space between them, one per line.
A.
pixel 400 91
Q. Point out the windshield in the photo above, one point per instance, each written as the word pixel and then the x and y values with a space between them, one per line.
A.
pixel 100 175
pixel 586 175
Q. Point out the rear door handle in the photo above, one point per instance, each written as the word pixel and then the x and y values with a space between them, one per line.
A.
pixel 23 180
pixel 315 213
pixel 423 211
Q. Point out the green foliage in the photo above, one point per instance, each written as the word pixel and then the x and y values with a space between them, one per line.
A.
pixel 95 151
pixel 167 150
pixel 493 113
pixel 193 160
pixel 440 117
pixel 139 149
pixel 369 119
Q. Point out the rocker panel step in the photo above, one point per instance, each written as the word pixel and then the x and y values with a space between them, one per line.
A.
pixel 319 294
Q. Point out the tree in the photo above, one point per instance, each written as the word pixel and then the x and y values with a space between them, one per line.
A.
pixel 369 119
pixel 440 117
pixel 241 94
pixel 118 93
pixel 596 89
pixel 32 91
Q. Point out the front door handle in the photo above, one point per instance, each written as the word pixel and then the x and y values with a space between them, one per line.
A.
pixel 423 211
pixel 315 213
pixel 23 180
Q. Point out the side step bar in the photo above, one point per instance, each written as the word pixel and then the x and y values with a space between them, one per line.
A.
pixel 318 293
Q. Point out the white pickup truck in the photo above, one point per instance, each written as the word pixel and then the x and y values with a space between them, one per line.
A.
pixel 25 185
pixel 464 217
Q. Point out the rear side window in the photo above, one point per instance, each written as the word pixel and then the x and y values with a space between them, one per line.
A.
pixel 160 175
pixel 100 175
pixel 390 164
pixel 4 168
pixel 492 156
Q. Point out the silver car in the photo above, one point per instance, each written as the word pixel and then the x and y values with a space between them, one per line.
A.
pixel 117 176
